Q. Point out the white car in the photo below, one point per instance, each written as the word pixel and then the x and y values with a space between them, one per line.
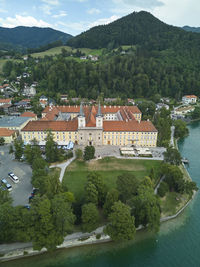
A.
pixel 13 177
pixel 8 186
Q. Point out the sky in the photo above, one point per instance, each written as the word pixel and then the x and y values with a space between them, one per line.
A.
pixel 76 16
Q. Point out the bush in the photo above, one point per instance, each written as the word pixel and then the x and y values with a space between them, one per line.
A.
pixel 89 152
pixel 25 252
pixel 163 189
pixel 98 236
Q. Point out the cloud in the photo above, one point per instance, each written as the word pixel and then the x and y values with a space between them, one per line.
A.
pixel 93 11
pixel 19 20
pixel 60 14
pixel 128 6
pixel 51 2
pixel 78 27
pixel 46 9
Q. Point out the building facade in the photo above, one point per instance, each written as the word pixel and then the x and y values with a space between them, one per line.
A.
pixel 189 99
pixel 93 125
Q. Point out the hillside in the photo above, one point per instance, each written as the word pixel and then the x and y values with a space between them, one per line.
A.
pixel 30 37
pixel 191 29
pixel 138 28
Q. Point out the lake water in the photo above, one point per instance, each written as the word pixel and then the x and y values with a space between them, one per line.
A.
pixel 177 243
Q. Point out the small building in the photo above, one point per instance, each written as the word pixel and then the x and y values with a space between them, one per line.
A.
pixel 29 114
pixel 162 105
pixel 29 91
pixel 182 111
pixel 64 98
pixel 14 122
pixel 7 135
pixel 4 101
pixel 189 99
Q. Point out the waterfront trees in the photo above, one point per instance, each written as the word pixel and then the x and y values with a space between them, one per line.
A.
pixel 181 129
pixel 172 156
pixel 90 217
pixel 121 224
pixel 111 197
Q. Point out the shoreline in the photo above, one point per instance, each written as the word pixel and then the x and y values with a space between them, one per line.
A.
pixel 74 240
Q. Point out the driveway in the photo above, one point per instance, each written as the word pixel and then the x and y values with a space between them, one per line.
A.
pixel 62 166
pixel 22 190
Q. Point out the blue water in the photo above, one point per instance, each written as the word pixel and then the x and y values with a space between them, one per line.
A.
pixel 176 245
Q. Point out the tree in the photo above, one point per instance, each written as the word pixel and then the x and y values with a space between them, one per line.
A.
pixel 2 141
pixel 146 208
pixel 121 224
pixel 90 217
pixel 97 180
pixel 18 144
pixel 174 178
pixel 172 156
pixel 91 193
pixel 181 129
pixel 63 217
pixel 11 150
pixel 196 113
pixel 89 152
pixel 43 232
pixel 127 185
pixel 51 148
pixel 163 189
pixel 111 197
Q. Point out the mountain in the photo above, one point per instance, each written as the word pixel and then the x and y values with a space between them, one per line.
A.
pixel 30 37
pixel 191 29
pixel 138 28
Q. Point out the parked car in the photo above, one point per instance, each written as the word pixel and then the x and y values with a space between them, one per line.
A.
pixel 13 177
pixel 7 185
pixel 30 198
pixel 2 188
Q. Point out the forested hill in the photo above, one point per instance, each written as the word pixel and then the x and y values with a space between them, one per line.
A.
pixel 191 29
pixel 138 28
pixel 30 37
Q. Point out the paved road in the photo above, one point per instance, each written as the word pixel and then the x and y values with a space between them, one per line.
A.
pixel 172 136
pixel 62 166
pixel 21 191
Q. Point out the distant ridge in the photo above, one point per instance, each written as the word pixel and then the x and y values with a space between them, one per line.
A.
pixel 191 29
pixel 30 37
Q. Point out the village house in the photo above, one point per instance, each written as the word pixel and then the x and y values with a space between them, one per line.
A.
pixel 189 99
pixel 7 135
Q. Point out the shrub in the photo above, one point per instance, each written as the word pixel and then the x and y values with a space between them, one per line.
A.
pixel 163 189
pixel 98 236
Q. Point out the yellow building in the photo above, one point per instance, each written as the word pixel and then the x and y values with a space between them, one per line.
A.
pixel 92 125
pixel 7 135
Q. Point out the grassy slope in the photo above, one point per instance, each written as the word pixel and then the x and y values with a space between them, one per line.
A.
pixel 76 174
pixel 57 50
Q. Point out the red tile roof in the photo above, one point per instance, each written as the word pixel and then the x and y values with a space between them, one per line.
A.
pixel 190 96
pixel 4 132
pixel 5 100
pixel 51 125
pixel 28 114
pixel 130 126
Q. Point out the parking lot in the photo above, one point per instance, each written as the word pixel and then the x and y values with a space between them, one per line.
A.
pixel 22 190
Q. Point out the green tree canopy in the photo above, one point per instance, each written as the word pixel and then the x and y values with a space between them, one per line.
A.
pixel 90 217
pixel 121 224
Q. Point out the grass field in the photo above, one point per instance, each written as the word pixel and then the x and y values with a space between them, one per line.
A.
pixel 172 203
pixel 110 168
pixel 57 50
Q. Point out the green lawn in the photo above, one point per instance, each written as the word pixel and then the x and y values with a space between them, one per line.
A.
pixel 110 168
pixel 57 50
pixel 172 203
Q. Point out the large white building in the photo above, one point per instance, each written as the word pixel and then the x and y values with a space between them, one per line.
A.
pixel 189 99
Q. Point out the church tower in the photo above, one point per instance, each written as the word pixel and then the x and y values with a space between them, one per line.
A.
pixel 81 117
pixel 99 118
